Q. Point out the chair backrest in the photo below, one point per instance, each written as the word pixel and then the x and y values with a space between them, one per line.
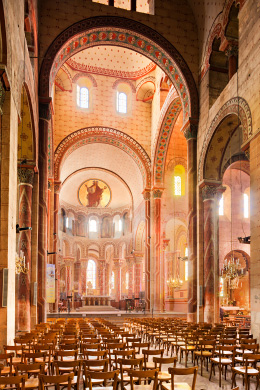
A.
pixel 139 346
pixel 102 364
pixel 108 375
pixel 227 348
pixel 74 366
pixel 96 354
pixel 184 371
pixel 56 380
pixel 152 352
pixel 68 347
pixel 251 347
pixel 15 382
pixel 159 361
pixel 144 376
pixel 23 368
pixel 29 357
pixel 59 355
pixel 227 341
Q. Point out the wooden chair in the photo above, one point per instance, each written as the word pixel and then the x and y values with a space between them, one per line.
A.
pixel 17 350
pixel 122 354
pixel 125 366
pixel 246 370
pixel 223 360
pixel 55 380
pixel 112 376
pixel 7 360
pixel 205 351
pixel 164 376
pixel 32 371
pixel 148 365
pixel 61 367
pixel 140 376
pixel 94 366
pixel 13 382
pixel 189 347
pixel 181 385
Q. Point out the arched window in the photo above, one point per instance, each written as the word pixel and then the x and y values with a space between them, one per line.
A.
pixel 91 273
pixel 221 206
pixel 82 97
pixel 93 225
pixel 120 225
pixel 177 185
pixel 67 222
pixel 179 180
pixel 112 280
pixel 127 280
pixel 121 102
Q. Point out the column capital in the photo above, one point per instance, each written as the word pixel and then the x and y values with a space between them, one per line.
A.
pixel 157 193
pixel 130 261
pixel 57 187
pixel 212 191
pixel 190 129
pixel 45 108
pixel 25 175
pixel 147 194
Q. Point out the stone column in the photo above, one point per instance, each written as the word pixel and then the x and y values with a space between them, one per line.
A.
pixel 45 112
pixel 102 276
pixel 211 195
pixel 190 133
pixel 232 54
pixel 156 250
pixel 117 267
pixel 138 275
pixel 130 270
pixel 25 177
pixel 55 240
pixel 165 244
pixel 147 198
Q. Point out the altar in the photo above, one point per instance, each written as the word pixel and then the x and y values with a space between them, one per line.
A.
pixel 96 300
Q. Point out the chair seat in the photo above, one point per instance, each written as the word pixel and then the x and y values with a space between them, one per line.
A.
pixel 227 353
pixel 240 359
pixel 17 360
pixel 177 386
pixel 32 383
pixel 95 381
pixel 188 347
pixel 73 382
pixel 242 370
pixel 143 387
pixel 150 365
pixel 241 351
pixel 164 376
pixel 223 360
pixel 6 371
pixel 204 353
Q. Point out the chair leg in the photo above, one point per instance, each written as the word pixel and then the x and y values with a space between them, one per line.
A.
pixel 211 368
pixel 220 372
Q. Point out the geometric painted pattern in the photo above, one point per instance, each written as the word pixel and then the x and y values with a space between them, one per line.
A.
pixel 108 136
pixel 125 38
pixel 235 106
pixel 164 138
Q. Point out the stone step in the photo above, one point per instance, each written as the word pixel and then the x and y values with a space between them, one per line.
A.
pixel 96 308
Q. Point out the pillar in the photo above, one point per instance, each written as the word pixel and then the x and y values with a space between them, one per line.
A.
pixel 211 195
pixel 147 198
pixel 232 54
pixel 190 133
pixel 156 250
pixel 165 244
pixel 45 111
pixel 117 270
pixel 138 276
pixel 25 177
pixel 102 276
pixel 55 240
pixel 130 270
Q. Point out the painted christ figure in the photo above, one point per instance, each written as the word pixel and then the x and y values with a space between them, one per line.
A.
pixel 94 194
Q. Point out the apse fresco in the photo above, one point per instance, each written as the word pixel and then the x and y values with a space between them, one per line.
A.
pixel 94 193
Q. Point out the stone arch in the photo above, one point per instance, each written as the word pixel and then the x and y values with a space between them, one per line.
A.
pixel 163 140
pixel 114 30
pixel 103 135
pixel 235 106
pixel 124 81
pixel 148 79
pixel 88 76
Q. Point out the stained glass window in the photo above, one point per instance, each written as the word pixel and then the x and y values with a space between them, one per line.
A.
pixel 92 225
pixel 112 280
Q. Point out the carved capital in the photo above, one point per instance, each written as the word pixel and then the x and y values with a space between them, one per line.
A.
pixel 25 176
pixel 247 153
pixel 232 50
pixel 212 192
pixel 57 187
pixel 157 193
pixel 190 129
pixel 147 194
